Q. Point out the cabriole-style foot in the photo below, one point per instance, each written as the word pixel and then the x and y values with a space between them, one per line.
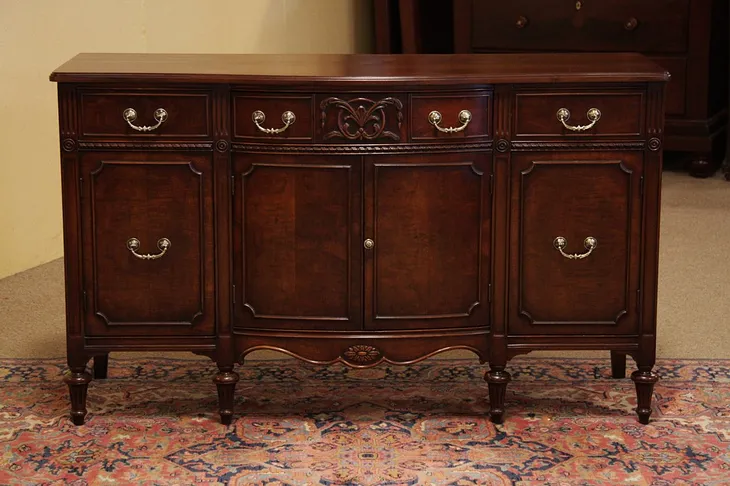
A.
pixel 101 366
pixel 78 380
pixel 225 381
pixel 618 364
pixel 644 381
pixel 497 380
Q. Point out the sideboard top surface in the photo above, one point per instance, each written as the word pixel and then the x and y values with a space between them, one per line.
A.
pixel 372 68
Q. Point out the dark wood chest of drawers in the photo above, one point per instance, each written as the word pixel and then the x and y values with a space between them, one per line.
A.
pixel 360 208
pixel 689 38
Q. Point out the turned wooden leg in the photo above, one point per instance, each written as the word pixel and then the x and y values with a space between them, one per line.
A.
pixel 101 366
pixel 644 379
pixel 618 364
pixel 497 379
pixel 77 379
pixel 225 381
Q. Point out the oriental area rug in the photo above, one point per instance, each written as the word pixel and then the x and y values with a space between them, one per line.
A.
pixel 155 422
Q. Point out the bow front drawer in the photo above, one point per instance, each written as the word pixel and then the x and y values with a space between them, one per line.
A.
pixel 450 117
pixel 591 114
pixel 272 117
pixel 142 113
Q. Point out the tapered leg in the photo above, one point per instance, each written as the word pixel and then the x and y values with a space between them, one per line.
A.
pixel 77 379
pixel 618 364
pixel 101 365
pixel 644 379
pixel 497 379
pixel 225 381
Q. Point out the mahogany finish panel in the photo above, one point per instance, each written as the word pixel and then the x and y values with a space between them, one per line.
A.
pixel 188 113
pixel 558 25
pixel 449 107
pixel 621 114
pixel 575 196
pixel 274 107
pixel 127 195
pixel 429 219
pixel 358 234
pixel 297 247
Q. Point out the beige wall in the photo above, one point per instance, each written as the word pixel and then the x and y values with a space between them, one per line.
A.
pixel 36 36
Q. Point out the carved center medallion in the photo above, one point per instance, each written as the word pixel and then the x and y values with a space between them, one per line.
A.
pixel 362 353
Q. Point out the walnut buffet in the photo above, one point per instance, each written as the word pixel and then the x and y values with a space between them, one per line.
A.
pixel 361 209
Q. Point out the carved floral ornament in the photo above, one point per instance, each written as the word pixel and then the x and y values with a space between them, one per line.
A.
pixel 362 353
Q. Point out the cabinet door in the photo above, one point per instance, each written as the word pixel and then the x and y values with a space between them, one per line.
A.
pixel 427 241
pixel 574 243
pixel 147 225
pixel 297 247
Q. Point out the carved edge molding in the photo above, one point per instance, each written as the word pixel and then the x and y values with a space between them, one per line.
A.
pixel 205 146
pixel 362 149
pixel 530 146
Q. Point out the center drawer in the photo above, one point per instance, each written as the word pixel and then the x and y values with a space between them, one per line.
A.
pixel 592 114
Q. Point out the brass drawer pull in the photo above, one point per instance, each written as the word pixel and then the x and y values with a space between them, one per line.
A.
pixel 521 22
pixel 594 114
pixel 259 117
pixel 130 114
pixel 590 243
pixel 163 244
pixel 369 244
pixel 434 118
pixel 631 24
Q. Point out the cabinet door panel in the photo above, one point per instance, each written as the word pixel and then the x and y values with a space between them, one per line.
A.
pixel 141 288
pixel 297 253
pixel 575 197
pixel 428 217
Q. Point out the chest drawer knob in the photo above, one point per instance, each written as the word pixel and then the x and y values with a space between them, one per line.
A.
pixel 369 244
pixel 259 117
pixel 521 22
pixel 130 114
pixel 593 114
pixel 163 244
pixel 631 24
pixel 434 118
pixel 590 244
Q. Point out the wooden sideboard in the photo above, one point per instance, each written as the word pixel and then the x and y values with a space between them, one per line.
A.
pixel 689 38
pixel 360 209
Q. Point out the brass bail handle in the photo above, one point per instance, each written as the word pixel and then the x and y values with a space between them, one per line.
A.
pixel 589 243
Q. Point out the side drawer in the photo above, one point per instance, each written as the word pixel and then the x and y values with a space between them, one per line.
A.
pixel 445 117
pixel 145 113
pixel 272 117
pixel 592 114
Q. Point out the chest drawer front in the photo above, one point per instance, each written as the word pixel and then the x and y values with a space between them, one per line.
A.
pixel 452 117
pixel 586 114
pixel 148 114
pixel 558 25
pixel 575 232
pixel 148 244
pixel 274 118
